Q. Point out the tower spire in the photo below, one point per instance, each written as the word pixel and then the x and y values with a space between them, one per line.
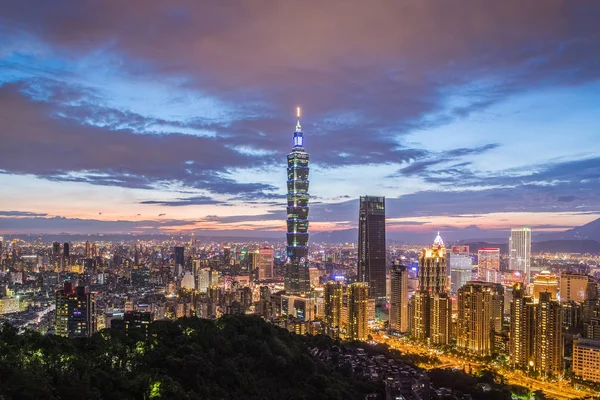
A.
pixel 298 127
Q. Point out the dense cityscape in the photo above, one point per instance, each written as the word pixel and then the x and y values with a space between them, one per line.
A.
pixel 531 320
pixel 300 200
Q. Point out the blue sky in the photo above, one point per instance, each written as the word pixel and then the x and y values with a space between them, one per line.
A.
pixel 152 116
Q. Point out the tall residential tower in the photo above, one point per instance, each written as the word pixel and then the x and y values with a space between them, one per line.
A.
pixel 297 278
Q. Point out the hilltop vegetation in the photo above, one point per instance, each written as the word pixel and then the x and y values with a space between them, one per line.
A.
pixel 232 358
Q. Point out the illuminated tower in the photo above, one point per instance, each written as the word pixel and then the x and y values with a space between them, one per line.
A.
pixel 548 339
pixel 297 277
pixel 334 294
pixel 522 325
pixel 519 247
pixel 399 298
pixel 371 246
pixel 358 299
pixel 432 267
pixel 480 306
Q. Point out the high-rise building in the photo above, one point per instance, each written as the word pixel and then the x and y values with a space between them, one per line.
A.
pixel 573 287
pixel 371 246
pixel 522 324
pixel 358 311
pixel 333 294
pixel 399 298
pixel 432 267
pixel 432 307
pixel 179 255
pixel 519 251
pixel 88 249
pixel 545 282
pixel 420 315
pixel 264 263
pixel 297 278
pixel 56 249
pixel 66 252
pixel 480 309
pixel 488 264
pixel 461 267
pixel 440 328
pixel 548 338
pixel 586 360
pixel 75 311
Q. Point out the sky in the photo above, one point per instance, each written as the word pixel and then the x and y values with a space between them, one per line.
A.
pixel 153 116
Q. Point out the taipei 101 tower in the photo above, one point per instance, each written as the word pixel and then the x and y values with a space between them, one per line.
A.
pixel 297 279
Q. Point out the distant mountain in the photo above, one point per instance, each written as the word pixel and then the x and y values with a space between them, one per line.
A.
pixel 341 236
pixel 550 246
pixel 589 231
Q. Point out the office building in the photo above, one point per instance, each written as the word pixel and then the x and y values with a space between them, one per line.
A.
pixel 179 256
pixel 519 252
pixel 66 250
pixel 480 309
pixel 75 311
pixel 461 267
pixel 333 294
pixel 297 278
pixel 371 246
pixel 548 338
pixel 432 267
pixel 88 249
pixel 358 311
pixel 264 263
pixel 586 360
pixel 56 250
pixel 573 287
pixel 206 278
pixel 545 282
pixel 398 318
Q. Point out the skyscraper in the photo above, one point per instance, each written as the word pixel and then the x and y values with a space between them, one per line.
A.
pixel 519 249
pixel 66 252
pixel 399 298
pixel 358 299
pixel 480 308
pixel 488 263
pixel 432 307
pixel 461 271
pixel 56 249
pixel 522 324
pixel 297 278
pixel 334 297
pixel 264 263
pixel 432 267
pixel 371 246
pixel 179 257
pixel 75 311
pixel 548 338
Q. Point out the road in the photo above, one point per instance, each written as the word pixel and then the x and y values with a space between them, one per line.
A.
pixel 559 390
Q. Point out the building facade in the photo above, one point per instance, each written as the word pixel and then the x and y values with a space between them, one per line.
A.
pixel 398 319
pixel 75 312
pixel 371 246
pixel 358 311
pixel 297 278
pixel 480 309
pixel 519 252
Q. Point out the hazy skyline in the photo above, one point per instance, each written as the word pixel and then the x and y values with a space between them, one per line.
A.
pixel 146 116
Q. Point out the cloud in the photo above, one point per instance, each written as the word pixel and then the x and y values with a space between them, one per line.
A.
pixel 21 214
pixel 188 201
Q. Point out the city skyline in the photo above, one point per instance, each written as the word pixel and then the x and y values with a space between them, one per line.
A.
pixel 157 119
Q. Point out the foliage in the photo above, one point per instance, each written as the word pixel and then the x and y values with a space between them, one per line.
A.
pixel 231 358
